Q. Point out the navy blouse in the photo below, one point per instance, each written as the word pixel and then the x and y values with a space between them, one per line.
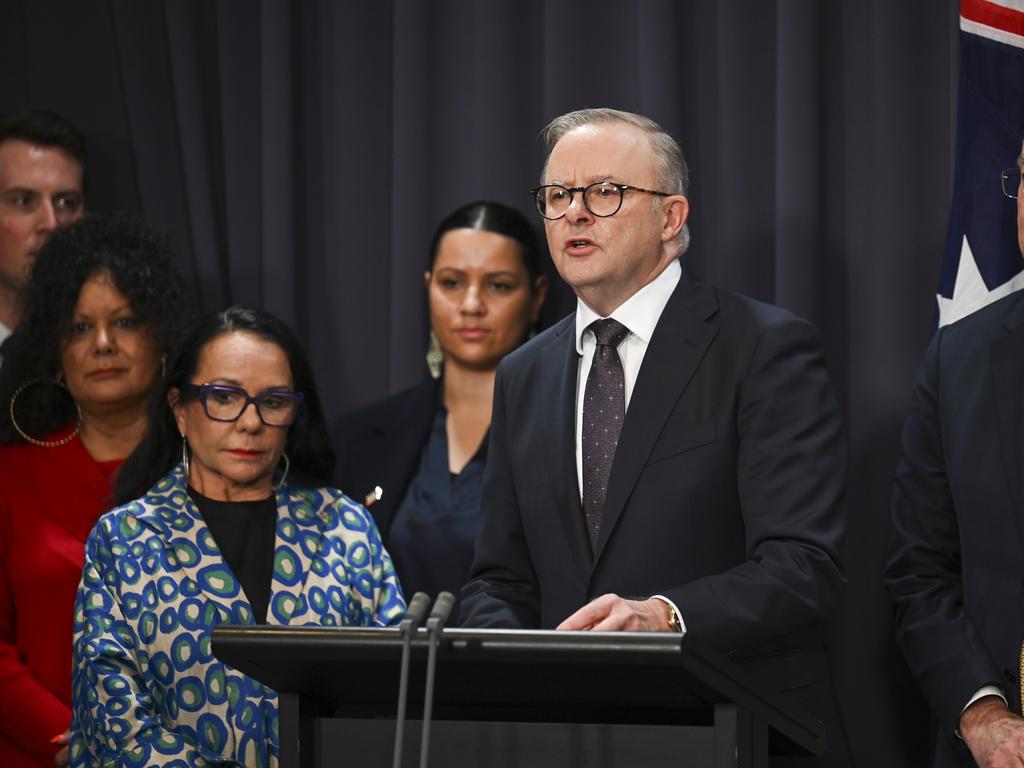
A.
pixel 432 537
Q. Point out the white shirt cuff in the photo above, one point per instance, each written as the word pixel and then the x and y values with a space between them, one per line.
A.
pixel 675 610
pixel 986 690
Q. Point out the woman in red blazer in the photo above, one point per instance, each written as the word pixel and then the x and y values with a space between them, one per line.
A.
pixel 98 317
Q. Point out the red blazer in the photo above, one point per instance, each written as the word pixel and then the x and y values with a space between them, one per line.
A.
pixel 50 498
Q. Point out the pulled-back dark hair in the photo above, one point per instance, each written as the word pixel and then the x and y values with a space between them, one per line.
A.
pixel 311 457
pixel 494 217
pixel 138 261
pixel 47 129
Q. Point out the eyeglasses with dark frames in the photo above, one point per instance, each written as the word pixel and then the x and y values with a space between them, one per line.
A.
pixel 223 402
pixel 1011 180
pixel 602 198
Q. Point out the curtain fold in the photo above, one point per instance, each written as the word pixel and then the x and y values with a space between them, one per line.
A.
pixel 300 154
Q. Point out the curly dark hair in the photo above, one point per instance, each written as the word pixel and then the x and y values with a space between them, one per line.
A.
pixel 308 445
pixel 137 260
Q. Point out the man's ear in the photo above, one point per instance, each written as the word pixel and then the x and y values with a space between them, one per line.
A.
pixel 676 213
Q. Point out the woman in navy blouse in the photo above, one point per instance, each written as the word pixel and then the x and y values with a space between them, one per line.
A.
pixel 417 458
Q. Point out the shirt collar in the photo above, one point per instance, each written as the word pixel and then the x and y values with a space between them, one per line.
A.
pixel 640 312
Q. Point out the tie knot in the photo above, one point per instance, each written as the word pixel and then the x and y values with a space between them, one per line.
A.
pixel 609 332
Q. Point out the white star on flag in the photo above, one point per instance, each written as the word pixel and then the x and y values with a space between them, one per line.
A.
pixel 970 292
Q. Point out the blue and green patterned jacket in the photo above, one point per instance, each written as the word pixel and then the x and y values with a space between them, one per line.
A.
pixel 146 688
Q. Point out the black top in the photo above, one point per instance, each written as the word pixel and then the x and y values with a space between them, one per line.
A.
pixel 244 532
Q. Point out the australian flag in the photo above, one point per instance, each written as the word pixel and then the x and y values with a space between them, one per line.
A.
pixel 983 260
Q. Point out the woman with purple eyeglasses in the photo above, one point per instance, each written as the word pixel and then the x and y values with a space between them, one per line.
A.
pixel 225 517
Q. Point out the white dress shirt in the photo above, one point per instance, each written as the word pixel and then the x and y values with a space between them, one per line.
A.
pixel 640 314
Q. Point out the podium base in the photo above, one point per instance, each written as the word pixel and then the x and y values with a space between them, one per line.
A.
pixel 462 744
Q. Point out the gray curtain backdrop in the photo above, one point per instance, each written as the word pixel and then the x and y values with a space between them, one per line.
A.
pixel 300 153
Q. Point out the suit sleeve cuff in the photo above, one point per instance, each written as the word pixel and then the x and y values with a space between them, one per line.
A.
pixel 675 610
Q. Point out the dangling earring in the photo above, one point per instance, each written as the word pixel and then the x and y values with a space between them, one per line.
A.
pixel 284 474
pixel 184 456
pixel 163 367
pixel 435 356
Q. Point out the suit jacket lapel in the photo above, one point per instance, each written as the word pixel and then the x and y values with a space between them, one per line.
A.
pixel 680 339
pixel 395 452
pixel 77 515
pixel 170 510
pixel 300 531
pixel 1007 372
pixel 557 419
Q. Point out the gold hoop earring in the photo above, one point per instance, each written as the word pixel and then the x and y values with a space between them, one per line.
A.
pixel 32 440
pixel 435 356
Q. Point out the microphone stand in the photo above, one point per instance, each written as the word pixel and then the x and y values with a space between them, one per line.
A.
pixel 435 626
pixel 407 628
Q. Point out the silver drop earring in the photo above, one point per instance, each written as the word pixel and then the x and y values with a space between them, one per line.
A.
pixel 284 474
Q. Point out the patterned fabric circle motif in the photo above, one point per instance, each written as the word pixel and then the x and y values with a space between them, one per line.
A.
pixel 147 689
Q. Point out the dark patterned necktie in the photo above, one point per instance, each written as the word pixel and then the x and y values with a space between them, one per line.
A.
pixel 604 408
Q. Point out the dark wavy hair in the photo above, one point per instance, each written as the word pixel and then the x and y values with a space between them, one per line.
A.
pixel 138 261
pixel 501 219
pixel 311 457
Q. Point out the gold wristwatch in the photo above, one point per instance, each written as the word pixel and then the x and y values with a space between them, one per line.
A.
pixel 674 624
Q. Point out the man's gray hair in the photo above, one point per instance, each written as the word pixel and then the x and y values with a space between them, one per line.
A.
pixel 672 173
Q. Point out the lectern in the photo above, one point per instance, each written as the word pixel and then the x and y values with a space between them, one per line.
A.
pixel 517 698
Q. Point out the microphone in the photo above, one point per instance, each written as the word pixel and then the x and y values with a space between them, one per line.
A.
pixel 414 614
pixel 435 626
pixel 441 610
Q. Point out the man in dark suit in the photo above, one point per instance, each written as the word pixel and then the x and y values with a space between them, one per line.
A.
pixel 703 433
pixel 956 570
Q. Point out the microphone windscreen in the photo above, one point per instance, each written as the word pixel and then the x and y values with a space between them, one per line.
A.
pixel 443 606
pixel 417 608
